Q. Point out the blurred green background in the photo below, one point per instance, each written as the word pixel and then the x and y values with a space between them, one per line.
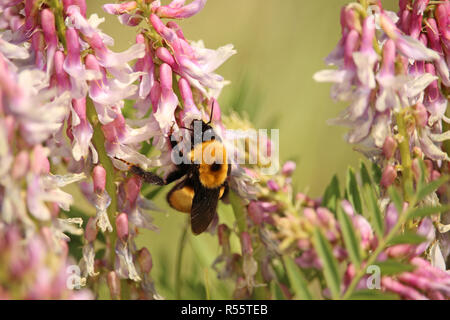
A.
pixel 280 45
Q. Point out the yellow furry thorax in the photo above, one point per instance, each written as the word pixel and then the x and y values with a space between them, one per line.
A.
pixel 207 154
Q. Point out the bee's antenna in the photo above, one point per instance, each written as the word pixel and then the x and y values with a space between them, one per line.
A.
pixel 212 111
pixel 186 128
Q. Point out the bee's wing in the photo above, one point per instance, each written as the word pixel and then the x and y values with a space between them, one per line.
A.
pixel 204 207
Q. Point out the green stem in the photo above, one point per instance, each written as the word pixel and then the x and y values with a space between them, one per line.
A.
pixel 59 20
pixel 208 294
pixel 179 260
pixel 98 140
pixel 446 126
pixel 238 210
pixel 405 155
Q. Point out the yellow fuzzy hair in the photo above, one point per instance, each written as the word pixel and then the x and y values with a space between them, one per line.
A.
pixel 211 152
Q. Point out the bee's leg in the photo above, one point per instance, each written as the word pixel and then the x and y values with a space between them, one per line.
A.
pixel 148 177
pixel 175 175
pixel 129 164
pixel 226 190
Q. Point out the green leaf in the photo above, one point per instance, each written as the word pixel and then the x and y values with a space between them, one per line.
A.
pixel 350 237
pixel 396 198
pixel 373 294
pixel 353 191
pixel 365 176
pixel 151 192
pixel 332 194
pixel 276 291
pixel 376 172
pixel 374 209
pixel 409 238
pixel 330 265
pixel 431 187
pixel 297 280
pixel 427 211
pixel 391 267
pixel 279 269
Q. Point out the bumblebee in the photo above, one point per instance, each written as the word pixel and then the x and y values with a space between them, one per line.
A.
pixel 202 179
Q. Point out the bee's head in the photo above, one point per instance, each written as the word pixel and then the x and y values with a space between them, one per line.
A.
pixel 203 132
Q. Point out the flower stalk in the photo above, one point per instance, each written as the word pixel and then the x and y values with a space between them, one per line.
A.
pixel 405 154
pixel 179 259
pixel 239 212
pixel 59 20
pixel 446 126
pixel 98 140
